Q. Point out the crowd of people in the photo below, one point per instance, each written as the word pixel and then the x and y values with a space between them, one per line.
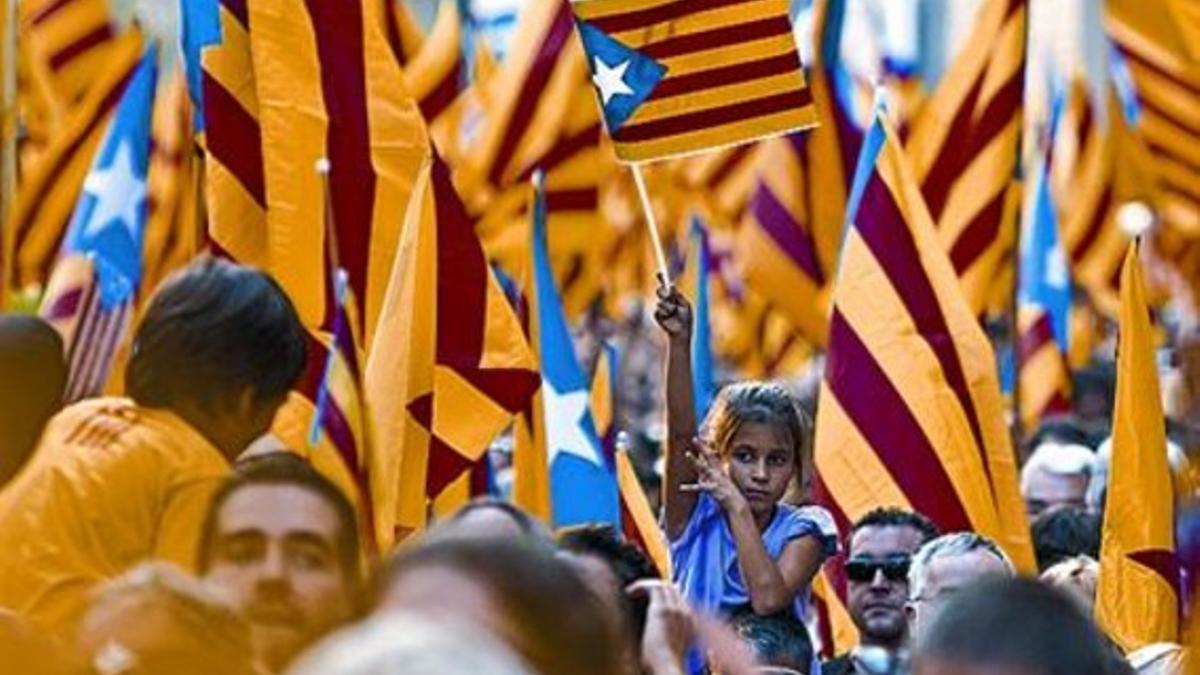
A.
pixel 138 535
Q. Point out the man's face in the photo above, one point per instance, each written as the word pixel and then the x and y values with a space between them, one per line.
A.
pixel 275 553
pixel 945 576
pixel 1044 490
pixel 877 603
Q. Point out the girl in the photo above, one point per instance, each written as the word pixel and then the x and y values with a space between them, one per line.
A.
pixel 733 543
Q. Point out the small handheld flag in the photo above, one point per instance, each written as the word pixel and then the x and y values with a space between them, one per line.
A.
pixel 685 76
pixel 106 230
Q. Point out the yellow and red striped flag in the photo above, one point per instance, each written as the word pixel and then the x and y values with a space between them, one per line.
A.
pixel 216 37
pixel 342 417
pixel 796 211
pixel 49 192
pixel 404 35
pixel 683 76
pixel 911 414
pixel 448 368
pixel 965 149
pixel 1137 595
pixel 329 86
pixel 638 523
pixel 63 43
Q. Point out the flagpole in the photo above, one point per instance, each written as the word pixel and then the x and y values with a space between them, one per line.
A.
pixel 8 143
pixel 660 258
pixel 323 168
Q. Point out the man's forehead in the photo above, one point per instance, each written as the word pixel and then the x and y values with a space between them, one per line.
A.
pixel 277 509
pixel 881 540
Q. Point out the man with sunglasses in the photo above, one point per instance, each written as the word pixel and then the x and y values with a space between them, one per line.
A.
pixel 879 550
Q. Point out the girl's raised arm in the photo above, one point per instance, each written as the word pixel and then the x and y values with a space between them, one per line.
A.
pixel 674 315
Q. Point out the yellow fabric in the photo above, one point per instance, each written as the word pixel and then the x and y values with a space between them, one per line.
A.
pixel 1135 605
pixel 980 471
pixel 297 131
pixel 111 484
pixel 47 195
pixel 994 53
pixel 640 516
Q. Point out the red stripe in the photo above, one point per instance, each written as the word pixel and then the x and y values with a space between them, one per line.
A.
pixel 67 155
pixel 565 148
pixel 1165 152
pixel 335 425
pixel 726 75
pixel 435 102
pixel 462 276
pixel 1086 121
pixel 731 162
pixel 392 31
pixel 1175 79
pixel 338 28
pixel 885 421
pixel 239 11
pixel 532 88
pixel 94 38
pixel 718 37
pixel 49 10
pixel 948 164
pixel 618 23
pixel 712 117
pixel 1038 335
pixel 234 138
pixel 65 305
pixel 582 199
pixel 792 238
pixel 883 228
pixel 1001 109
pixel 978 235
pixel 1095 224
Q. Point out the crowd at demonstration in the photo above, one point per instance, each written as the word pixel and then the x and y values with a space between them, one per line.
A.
pixel 599 337
pixel 154 534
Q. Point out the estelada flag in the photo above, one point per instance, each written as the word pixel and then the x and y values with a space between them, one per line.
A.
pixel 677 77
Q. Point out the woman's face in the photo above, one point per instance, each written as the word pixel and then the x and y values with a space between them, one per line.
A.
pixel 761 461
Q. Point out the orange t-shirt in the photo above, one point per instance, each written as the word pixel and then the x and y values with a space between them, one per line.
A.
pixel 110 485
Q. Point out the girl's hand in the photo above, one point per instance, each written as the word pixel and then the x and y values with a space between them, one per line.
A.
pixel 711 478
pixel 674 314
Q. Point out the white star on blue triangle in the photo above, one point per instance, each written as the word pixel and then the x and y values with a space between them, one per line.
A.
pixel 624 77
pixel 109 221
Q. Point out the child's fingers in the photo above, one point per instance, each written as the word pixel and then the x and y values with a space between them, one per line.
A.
pixel 698 486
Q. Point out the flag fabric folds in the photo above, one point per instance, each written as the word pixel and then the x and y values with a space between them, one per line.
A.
pixel 48 193
pixel 911 413
pixel 582 484
pixel 1137 595
pixel 106 230
pixel 1043 313
pixel 965 147
pixel 342 415
pixel 329 86
pixel 448 367
pixel 638 523
pixel 682 76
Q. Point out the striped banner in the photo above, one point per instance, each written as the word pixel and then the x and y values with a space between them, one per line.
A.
pixel 49 191
pixel 965 149
pixel 911 414
pixel 694 75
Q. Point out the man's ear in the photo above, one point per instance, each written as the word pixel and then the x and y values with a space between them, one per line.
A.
pixel 910 613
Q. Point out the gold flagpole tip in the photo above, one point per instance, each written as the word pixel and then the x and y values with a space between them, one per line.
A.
pixel 322 166
pixel 538 179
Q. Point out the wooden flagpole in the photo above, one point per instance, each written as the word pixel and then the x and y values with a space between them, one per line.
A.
pixel 660 258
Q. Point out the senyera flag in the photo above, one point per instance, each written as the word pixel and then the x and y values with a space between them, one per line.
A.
pixel 677 77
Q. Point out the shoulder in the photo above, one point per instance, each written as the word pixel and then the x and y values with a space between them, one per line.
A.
pixel 794 522
pixel 706 515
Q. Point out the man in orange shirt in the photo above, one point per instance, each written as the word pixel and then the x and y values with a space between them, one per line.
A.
pixel 116 481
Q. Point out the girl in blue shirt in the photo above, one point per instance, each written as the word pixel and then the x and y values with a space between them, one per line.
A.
pixel 733 541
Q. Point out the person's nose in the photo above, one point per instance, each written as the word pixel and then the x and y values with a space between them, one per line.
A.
pixel 274 565
pixel 759 471
pixel 879 580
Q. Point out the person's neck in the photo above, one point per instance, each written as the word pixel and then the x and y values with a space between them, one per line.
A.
pixel 228 443
pixel 892 646
pixel 763 520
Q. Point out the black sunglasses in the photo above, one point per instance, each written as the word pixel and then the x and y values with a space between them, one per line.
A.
pixel 894 568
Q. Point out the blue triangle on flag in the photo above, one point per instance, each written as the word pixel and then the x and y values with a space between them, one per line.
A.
pixel 624 77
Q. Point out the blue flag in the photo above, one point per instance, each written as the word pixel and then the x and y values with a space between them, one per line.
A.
pixel 199 27
pixel 1045 278
pixel 703 383
pixel 583 488
pixel 110 218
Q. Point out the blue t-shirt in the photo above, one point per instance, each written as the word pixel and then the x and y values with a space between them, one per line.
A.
pixel 704 557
